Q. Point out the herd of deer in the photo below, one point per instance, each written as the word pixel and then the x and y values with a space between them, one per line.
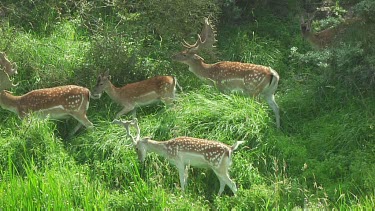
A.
pixel 70 100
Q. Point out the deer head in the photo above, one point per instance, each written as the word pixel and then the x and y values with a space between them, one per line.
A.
pixel 127 124
pixel 102 83
pixel 138 142
pixel 305 25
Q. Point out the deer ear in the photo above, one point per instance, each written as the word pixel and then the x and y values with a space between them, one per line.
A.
pixel 198 57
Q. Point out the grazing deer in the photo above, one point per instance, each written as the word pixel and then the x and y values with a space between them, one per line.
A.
pixel 9 67
pixel 186 151
pixel 131 96
pixel 57 103
pixel 252 79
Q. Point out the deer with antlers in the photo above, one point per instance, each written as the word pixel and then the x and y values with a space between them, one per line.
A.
pixel 9 67
pixel 251 79
pixel 133 95
pixel 57 102
pixel 187 151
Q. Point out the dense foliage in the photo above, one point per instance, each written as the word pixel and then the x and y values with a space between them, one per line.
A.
pixel 323 157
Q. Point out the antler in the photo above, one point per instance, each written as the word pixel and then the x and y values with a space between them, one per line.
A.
pixel 9 67
pixel 205 40
pixel 127 124
pixel 6 70
pixel 5 82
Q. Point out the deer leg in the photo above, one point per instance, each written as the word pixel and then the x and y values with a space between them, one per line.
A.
pixel 82 120
pixel 272 103
pixel 186 172
pixel 220 86
pixel 183 175
pixel 134 113
pixel 225 180
pixel 125 110
pixel 167 100
pixel 222 185
pixel 76 128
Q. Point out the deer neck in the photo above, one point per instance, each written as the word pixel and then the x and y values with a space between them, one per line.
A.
pixel 200 69
pixel 9 101
pixel 157 147
pixel 113 92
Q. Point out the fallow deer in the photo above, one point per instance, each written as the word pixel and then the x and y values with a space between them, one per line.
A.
pixel 251 79
pixel 57 102
pixel 9 67
pixel 133 95
pixel 326 37
pixel 187 151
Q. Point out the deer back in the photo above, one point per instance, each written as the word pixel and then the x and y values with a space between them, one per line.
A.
pixel 67 99
pixel 157 84
pixel 210 152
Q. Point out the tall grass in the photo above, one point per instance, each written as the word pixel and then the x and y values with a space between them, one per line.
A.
pixel 38 174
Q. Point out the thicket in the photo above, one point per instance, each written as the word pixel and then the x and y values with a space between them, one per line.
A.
pixel 322 158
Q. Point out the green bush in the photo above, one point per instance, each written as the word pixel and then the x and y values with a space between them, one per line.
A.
pixel 40 17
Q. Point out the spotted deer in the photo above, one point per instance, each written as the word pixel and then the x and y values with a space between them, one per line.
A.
pixel 57 102
pixel 187 151
pixel 133 95
pixel 251 79
pixel 7 66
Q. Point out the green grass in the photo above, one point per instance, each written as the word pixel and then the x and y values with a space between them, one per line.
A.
pixel 38 173
pixel 322 158
pixel 99 168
